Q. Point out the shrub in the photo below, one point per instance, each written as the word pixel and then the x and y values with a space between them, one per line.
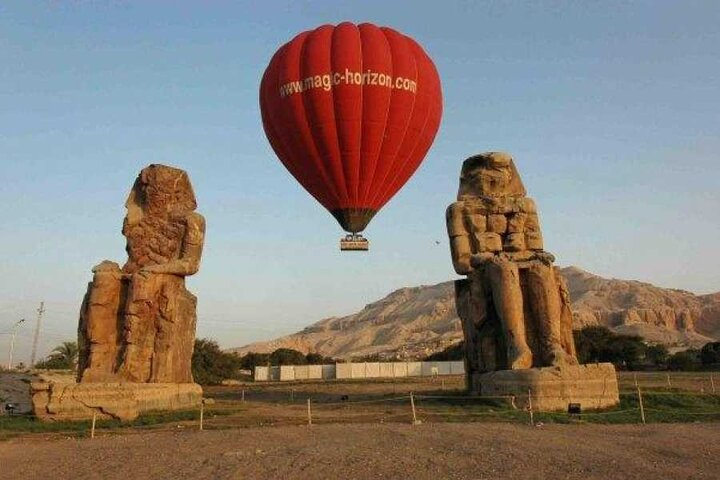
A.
pixel 710 353
pixel 283 356
pixel 684 361
pixel 454 352
pixel 287 356
pixel 657 355
pixel 318 359
pixel 251 360
pixel 210 365
pixel 599 344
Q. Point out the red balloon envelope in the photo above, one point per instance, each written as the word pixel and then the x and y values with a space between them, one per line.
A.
pixel 351 111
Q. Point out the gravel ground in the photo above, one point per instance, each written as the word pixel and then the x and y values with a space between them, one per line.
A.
pixel 352 451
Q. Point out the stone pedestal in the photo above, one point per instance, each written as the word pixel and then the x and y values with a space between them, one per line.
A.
pixel 123 401
pixel 593 386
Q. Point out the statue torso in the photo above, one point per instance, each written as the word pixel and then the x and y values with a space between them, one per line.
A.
pixel 154 240
pixel 500 224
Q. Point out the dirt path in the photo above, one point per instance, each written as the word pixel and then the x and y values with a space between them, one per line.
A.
pixel 433 451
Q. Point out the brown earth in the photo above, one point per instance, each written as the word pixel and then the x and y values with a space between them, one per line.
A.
pixel 415 322
pixel 432 451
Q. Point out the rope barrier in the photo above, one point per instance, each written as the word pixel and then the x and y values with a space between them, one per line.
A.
pixel 585 414
pixel 474 397
pixel 680 412
pixel 688 394
pixel 358 415
pixel 468 414
pixel 362 402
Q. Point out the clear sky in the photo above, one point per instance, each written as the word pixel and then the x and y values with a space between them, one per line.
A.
pixel 611 110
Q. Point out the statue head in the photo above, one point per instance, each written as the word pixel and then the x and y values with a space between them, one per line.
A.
pixel 160 190
pixel 491 174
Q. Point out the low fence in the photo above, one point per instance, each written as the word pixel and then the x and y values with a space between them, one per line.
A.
pixel 635 408
pixel 342 371
pixel 645 398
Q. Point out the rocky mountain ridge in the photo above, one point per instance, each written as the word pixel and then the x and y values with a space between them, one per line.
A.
pixel 414 322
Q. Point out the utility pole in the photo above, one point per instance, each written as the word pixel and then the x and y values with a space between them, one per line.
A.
pixel 40 311
pixel 12 341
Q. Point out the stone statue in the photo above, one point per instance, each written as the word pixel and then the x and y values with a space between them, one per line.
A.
pixel 514 305
pixel 137 323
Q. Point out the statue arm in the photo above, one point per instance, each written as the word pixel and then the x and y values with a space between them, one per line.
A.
pixel 460 247
pixel 191 251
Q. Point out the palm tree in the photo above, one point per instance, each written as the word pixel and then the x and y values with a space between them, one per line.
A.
pixel 66 354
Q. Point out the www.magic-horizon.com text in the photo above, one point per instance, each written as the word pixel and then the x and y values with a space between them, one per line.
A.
pixel 328 80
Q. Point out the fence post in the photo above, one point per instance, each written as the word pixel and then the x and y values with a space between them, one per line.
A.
pixel 712 383
pixel 442 385
pixel 412 405
pixel 242 398
pixel 530 409
pixel 668 380
pixel 202 413
pixel 309 412
pixel 642 408
pixel 635 379
pixel 92 428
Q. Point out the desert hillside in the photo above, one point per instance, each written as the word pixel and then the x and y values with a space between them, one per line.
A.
pixel 417 321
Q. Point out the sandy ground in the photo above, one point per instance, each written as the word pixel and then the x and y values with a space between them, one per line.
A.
pixel 433 451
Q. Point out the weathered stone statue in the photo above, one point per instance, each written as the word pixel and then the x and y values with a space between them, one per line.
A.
pixel 514 305
pixel 137 323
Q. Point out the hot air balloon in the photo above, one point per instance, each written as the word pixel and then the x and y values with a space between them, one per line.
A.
pixel 351 111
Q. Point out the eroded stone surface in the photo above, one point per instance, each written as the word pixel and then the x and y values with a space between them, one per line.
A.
pixel 122 401
pixel 593 386
pixel 514 305
pixel 137 323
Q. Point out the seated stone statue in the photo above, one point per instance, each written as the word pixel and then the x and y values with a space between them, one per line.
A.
pixel 137 323
pixel 514 304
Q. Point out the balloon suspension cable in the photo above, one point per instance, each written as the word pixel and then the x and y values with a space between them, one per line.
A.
pixel 354 242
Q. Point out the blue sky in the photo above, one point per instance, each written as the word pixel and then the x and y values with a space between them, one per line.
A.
pixel 609 108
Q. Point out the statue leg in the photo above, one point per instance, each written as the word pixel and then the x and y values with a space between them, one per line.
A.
pixel 472 310
pixel 138 329
pixel 546 305
pixel 566 316
pixel 98 331
pixel 464 310
pixel 504 280
pixel 174 326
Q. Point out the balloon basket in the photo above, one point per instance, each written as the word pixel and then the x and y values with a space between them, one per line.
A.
pixel 354 243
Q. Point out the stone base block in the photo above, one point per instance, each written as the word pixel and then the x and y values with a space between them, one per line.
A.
pixel 593 386
pixel 123 401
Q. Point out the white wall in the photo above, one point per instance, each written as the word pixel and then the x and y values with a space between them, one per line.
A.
pixel 358 370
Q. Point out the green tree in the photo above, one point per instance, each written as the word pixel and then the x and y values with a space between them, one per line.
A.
pixel 251 360
pixel 599 344
pixel 710 353
pixel 62 357
pixel 657 355
pixel 684 361
pixel 452 353
pixel 210 365
pixel 287 356
pixel 318 359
